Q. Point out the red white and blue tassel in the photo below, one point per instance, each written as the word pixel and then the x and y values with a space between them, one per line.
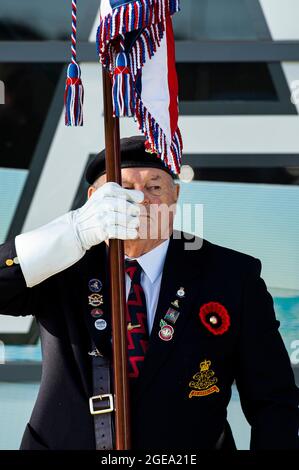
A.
pixel 74 92
pixel 122 88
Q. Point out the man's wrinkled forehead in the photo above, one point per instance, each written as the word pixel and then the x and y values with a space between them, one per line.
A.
pixel 142 175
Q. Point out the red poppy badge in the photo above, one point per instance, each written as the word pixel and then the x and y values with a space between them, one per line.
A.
pixel 215 317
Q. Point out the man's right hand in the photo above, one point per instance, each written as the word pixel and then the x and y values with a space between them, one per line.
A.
pixel 110 212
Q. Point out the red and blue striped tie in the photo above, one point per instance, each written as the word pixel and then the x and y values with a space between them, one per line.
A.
pixel 137 333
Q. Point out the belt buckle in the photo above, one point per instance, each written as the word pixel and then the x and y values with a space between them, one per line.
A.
pixel 101 398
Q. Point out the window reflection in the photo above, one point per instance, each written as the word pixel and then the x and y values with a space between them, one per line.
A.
pixel 38 20
pixel 29 89
pixel 225 81
pixel 214 19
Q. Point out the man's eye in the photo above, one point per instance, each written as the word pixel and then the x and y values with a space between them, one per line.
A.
pixel 155 188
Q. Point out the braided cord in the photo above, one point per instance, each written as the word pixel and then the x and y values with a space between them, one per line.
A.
pixel 74 31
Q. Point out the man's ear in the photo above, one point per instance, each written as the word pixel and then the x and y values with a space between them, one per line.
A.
pixel 90 191
pixel 177 189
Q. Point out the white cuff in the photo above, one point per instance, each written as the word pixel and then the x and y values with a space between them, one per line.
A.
pixel 48 250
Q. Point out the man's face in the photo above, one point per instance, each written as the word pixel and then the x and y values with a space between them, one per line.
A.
pixel 160 197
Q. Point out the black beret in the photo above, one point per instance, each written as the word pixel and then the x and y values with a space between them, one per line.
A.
pixel 133 154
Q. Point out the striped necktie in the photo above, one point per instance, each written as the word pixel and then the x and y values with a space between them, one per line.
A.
pixel 137 332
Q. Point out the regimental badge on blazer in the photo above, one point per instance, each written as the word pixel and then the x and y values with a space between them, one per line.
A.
pixel 214 316
pixel 95 300
pixel 204 381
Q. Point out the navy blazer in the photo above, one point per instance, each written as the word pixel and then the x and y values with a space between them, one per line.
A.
pixel 225 331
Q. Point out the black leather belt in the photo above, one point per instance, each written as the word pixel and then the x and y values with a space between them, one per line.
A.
pixel 101 404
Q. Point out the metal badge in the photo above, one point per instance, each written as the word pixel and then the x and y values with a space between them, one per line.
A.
pixel 97 313
pixel 166 332
pixel 181 292
pixel 95 353
pixel 132 327
pixel 175 303
pixel 172 315
pixel 95 300
pixel 95 285
pixel 100 324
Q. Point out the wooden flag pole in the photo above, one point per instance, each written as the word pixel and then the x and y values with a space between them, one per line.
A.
pixel 117 281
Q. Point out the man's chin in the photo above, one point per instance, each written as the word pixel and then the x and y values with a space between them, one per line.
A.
pixel 149 232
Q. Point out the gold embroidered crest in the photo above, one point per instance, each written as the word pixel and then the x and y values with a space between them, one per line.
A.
pixel 203 381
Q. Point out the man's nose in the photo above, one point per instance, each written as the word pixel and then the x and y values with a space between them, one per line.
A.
pixel 146 199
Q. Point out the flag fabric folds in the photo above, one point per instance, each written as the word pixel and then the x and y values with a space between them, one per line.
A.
pixel 135 43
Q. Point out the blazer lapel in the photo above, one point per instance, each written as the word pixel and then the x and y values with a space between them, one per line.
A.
pixel 180 267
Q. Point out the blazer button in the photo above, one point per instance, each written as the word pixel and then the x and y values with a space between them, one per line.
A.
pixel 11 262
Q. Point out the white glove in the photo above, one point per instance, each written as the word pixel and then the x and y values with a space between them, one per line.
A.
pixel 110 212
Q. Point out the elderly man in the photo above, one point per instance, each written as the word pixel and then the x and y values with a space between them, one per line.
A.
pixel 197 321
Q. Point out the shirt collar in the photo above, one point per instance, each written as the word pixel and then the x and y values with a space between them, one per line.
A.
pixel 152 262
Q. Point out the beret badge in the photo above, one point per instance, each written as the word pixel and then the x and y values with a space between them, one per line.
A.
pixel 215 318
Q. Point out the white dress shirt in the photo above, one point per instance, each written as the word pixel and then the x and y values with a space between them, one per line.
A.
pixel 152 264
